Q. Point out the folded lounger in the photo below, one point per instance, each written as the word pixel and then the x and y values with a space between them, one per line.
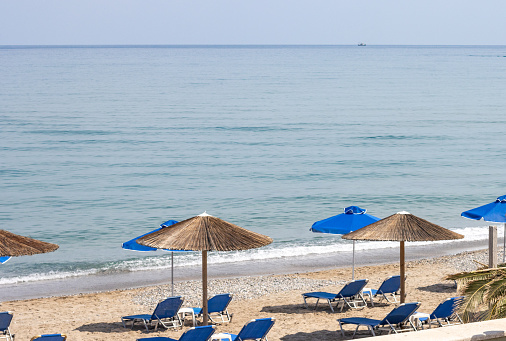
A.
pixel 445 312
pixel 392 322
pixel 5 322
pixel 50 337
pixel 350 294
pixel 391 286
pixel 253 330
pixel 165 314
pixel 217 307
pixel 203 333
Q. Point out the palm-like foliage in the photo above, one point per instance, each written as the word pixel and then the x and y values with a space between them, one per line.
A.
pixel 485 293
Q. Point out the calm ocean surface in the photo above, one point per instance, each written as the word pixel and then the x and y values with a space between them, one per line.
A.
pixel 101 144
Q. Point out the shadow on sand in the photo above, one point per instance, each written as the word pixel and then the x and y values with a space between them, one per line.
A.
pixel 295 309
pixel 104 327
pixel 448 287
pixel 317 335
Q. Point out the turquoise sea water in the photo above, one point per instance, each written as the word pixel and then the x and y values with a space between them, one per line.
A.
pixel 101 144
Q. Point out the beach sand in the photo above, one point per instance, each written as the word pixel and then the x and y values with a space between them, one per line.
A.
pixel 97 316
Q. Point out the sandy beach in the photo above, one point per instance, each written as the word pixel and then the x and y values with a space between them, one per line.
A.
pixel 97 316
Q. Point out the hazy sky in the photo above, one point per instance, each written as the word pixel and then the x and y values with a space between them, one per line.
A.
pixel 378 22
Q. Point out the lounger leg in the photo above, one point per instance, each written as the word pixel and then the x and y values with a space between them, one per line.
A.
pixel 372 330
pixel 392 328
pixel 330 305
pixel 305 303
pixel 355 332
pixel 341 326
pixel 369 293
pixel 413 326
pixel 395 298
pixel 342 305
pixel 386 298
pixel 363 300
pixel 318 300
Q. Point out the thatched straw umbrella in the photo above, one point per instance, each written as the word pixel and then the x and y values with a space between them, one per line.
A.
pixel 14 245
pixel 204 233
pixel 403 227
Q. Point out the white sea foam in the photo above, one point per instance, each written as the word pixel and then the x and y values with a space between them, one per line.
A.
pixel 52 275
pixel 333 244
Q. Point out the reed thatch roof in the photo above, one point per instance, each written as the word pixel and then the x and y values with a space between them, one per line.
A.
pixel 15 245
pixel 204 233
pixel 403 226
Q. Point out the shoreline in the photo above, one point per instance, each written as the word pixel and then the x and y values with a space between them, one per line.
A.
pixel 279 266
pixel 96 316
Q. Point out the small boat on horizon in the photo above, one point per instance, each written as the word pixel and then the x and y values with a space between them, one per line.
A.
pixel 362 44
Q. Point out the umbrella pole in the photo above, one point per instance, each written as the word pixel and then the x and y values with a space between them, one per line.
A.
pixel 204 288
pixel 172 271
pixel 403 276
pixel 353 269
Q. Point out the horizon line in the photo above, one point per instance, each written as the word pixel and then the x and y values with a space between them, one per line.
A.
pixel 233 45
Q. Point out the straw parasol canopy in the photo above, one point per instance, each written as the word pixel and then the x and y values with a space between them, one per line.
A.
pixel 204 233
pixel 15 245
pixel 403 227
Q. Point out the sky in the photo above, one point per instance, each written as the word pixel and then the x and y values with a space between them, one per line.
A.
pixel 244 22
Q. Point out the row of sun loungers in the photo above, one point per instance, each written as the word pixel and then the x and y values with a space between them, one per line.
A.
pixel 406 314
pixel 253 330
pixel 352 294
pixel 169 313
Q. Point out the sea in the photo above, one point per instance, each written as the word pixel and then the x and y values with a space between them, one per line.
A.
pixel 100 144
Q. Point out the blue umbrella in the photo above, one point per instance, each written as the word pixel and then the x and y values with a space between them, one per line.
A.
pixel 494 212
pixel 352 219
pixel 134 246
pixel 4 259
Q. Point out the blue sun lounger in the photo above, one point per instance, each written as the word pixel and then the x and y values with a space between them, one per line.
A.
pixel 203 333
pixel 445 312
pixel 393 322
pixel 50 337
pixel 217 306
pixel 253 330
pixel 5 323
pixel 165 314
pixel 350 294
pixel 391 286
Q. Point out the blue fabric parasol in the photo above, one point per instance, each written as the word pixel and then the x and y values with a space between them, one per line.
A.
pixel 352 219
pixel 134 246
pixel 494 212
pixel 4 259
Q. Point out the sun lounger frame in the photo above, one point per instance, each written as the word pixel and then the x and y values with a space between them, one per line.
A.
pixel 7 319
pixel 378 292
pixel 450 316
pixel 385 324
pixel 340 299
pixel 166 322
pixel 217 316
